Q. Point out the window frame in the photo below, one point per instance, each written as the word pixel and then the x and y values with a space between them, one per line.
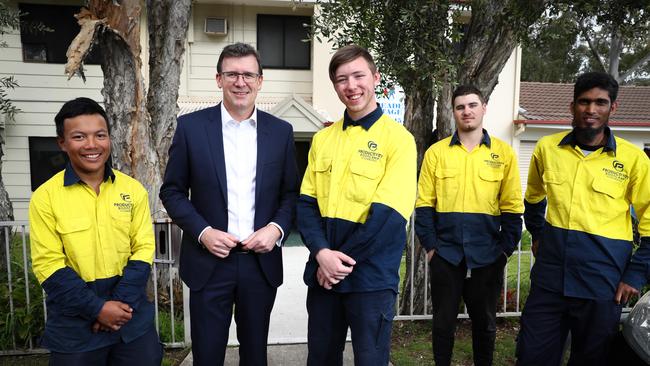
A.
pixel 284 18
pixel 36 160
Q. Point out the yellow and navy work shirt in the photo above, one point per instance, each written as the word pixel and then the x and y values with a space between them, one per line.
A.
pixel 585 247
pixel 88 248
pixel 356 197
pixel 469 203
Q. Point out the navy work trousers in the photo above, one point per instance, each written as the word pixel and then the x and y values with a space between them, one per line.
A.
pixel 549 316
pixel 369 316
pixel 146 350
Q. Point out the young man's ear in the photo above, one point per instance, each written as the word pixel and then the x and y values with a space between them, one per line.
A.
pixel 60 140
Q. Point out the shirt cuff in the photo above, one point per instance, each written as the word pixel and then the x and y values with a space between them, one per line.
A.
pixel 201 234
pixel 279 242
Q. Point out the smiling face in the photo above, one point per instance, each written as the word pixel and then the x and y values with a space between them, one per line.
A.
pixel 591 111
pixel 87 143
pixel 469 112
pixel 238 95
pixel 355 84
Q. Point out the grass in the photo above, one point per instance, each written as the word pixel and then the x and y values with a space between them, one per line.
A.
pixel 165 326
pixel 411 343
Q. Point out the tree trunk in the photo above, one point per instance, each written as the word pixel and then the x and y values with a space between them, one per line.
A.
pixel 6 208
pixel 445 123
pixel 168 22
pixel 418 117
pixel 615 49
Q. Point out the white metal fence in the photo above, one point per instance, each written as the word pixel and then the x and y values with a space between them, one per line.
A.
pixel 23 315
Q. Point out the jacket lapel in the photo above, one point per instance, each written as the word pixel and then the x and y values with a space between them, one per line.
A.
pixel 263 150
pixel 215 140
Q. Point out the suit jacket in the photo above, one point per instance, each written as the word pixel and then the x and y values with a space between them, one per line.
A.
pixel 194 190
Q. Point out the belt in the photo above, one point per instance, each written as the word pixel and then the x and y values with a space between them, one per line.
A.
pixel 239 249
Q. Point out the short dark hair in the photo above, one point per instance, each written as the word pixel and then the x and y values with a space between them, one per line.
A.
pixel 466 89
pixel 596 79
pixel 239 49
pixel 77 107
pixel 347 54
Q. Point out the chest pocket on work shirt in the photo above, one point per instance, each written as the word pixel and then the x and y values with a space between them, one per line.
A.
pixel 121 228
pixel 490 184
pixel 557 192
pixel 447 185
pixel 323 174
pixel 608 202
pixel 78 242
pixel 365 177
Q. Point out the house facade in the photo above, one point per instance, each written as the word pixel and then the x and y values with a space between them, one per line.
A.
pixel 296 83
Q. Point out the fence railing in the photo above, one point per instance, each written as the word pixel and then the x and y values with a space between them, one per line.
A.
pixel 23 309
pixel 516 284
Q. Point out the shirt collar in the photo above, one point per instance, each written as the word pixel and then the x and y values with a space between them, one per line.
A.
pixel 485 140
pixel 366 121
pixel 70 177
pixel 610 145
pixel 227 118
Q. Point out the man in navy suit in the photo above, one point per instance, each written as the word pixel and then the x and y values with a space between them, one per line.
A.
pixel 231 185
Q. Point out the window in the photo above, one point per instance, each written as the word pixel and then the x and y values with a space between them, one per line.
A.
pixel 50 47
pixel 280 41
pixel 45 159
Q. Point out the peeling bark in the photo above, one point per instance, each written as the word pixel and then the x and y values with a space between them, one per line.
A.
pixel 82 43
pixel 139 139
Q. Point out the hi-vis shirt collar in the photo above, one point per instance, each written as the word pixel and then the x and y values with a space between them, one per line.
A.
pixel 484 141
pixel 70 177
pixel 366 121
pixel 610 145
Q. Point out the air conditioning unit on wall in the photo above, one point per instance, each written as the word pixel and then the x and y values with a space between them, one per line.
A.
pixel 216 26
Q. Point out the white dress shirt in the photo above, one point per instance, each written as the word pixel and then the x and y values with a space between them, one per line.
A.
pixel 240 156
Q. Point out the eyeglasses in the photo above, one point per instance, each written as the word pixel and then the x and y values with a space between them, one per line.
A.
pixel 232 76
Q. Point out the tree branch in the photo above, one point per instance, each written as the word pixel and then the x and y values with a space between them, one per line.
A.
pixel 592 47
pixel 637 65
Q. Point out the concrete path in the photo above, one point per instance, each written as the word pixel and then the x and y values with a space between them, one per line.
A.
pixel 280 355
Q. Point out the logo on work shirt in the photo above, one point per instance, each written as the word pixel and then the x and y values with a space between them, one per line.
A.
pixel 370 154
pixel 618 173
pixel 494 163
pixel 618 165
pixel 126 205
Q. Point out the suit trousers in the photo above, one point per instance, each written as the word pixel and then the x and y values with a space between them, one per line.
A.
pixel 369 316
pixel 549 316
pixel 237 280
pixel 145 350
pixel 480 293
